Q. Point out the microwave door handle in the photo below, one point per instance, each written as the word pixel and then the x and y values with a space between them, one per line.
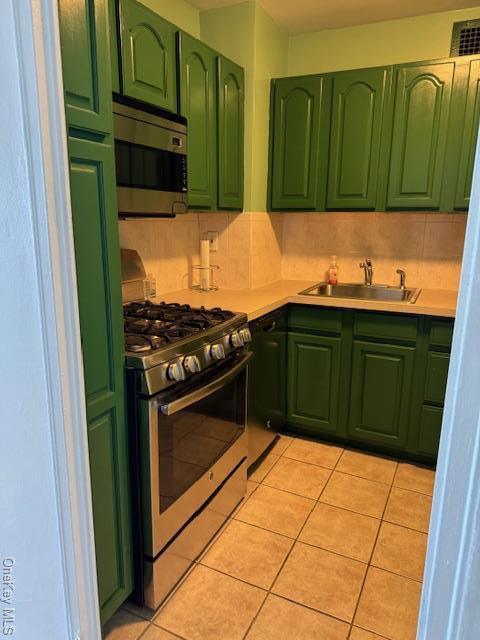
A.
pixel 170 408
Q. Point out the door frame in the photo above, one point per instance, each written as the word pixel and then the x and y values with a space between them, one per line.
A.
pixel 33 45
pixel 449 606
pixel 449 609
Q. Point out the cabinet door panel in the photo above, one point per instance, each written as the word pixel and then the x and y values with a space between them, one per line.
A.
pixel 313 381
pixel 230 134
pixel 437 373
pixel 355 135
pixel 114 44
pixel 95 229
pixel 430 429
pixel 380 393
pixel 83 29
pixel 420 125
pixel 148 55
pixel 197 104
pixel 471 117
pixel 297 110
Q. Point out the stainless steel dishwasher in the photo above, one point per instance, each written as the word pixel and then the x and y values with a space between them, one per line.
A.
pixel 267 382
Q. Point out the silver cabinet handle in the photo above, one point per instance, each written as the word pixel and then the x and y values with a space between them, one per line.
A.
pixel 169 408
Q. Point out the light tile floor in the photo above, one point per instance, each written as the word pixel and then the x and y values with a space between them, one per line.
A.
pixel 328 545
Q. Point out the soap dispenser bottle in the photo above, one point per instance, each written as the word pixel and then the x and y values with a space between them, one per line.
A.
pixel 333 271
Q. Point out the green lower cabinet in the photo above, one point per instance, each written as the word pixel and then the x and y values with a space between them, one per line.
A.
pixel 429 432
pixel 95 228
pixel 380 393
pixel 197 66
pixel 313 381
pixel 437 373
pixel 149 67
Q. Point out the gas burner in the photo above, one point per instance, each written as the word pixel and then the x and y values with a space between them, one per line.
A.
pixel 139 343
pixel 195 320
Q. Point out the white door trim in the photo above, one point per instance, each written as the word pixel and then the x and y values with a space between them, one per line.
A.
pixel 450 608
pixel 38 44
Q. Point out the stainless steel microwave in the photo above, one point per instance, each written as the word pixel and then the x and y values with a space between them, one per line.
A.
pixel 150 159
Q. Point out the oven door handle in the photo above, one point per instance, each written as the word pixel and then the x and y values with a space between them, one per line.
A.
pixel 170 408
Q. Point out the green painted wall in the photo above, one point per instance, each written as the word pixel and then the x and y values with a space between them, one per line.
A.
pixel 271 61
pixel 389 42
pixel 259 45
pixel 180 12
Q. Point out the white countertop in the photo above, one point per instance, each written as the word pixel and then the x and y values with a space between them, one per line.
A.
pixel 258 302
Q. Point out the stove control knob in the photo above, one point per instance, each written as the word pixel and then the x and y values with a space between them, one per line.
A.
pixel 236 340
pixel 245 334
pixel 192 364
pixel 217 351
pixel 176 372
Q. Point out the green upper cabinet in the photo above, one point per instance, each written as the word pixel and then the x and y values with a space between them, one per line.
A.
pixel 420 127
pixel 300 106
pixel 355 138
pixel 83 29
pixel 148 55
pixel 469 136
pixel 380 393
pixel 114 49
pixel 231 91
pixel 198 104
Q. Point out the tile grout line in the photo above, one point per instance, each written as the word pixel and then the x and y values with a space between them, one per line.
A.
pixel 373 550
pixel 287 556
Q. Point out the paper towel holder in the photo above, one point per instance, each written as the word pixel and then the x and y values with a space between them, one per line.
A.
pixel 197 268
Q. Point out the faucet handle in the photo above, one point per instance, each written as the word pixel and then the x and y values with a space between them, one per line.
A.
pixel 403 277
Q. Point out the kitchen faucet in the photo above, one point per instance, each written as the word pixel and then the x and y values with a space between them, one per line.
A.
pixel 368 269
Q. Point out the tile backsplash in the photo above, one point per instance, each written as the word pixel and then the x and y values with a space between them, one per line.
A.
pixel 249 248
pixel 256 249
pixel 428 246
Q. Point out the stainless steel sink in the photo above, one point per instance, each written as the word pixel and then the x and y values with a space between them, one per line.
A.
pixel 363 292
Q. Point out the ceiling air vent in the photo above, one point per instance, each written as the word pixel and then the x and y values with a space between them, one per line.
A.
pixel 465 38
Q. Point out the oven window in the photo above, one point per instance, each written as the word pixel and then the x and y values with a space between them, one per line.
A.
pixel 193 439
pixel 141 167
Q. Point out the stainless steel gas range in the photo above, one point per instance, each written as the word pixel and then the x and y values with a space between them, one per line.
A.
pixel 187 381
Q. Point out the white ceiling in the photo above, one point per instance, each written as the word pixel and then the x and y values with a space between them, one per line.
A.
pixel 302 16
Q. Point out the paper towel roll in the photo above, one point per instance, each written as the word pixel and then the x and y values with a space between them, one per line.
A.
pixel 205 265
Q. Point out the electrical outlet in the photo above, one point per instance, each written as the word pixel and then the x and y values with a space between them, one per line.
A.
pixel 213 239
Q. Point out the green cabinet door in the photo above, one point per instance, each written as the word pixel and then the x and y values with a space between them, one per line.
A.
pixel 148 55
pixel 429 432
pixel 231 83
pixel 470 118
pixel 356 125
pixel 84 41
pixel 296 175
pixel 197 103
pixel 313 381
pixel 114 44
pixel 95 229
pixel 419 137
pixel 380 393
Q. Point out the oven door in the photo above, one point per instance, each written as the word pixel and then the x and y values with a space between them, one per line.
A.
pixel 190 442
